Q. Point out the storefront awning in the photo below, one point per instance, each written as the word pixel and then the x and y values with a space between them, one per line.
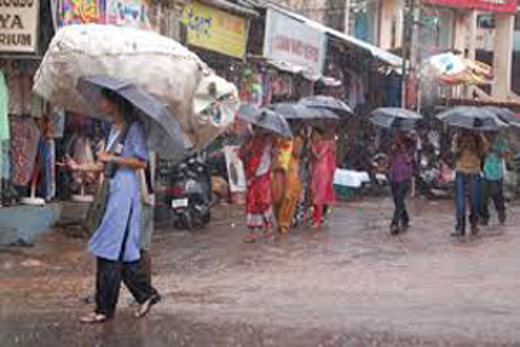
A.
pixel 233 7
pixel 376 52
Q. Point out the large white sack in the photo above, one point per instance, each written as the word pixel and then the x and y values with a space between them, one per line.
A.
pixel 159 65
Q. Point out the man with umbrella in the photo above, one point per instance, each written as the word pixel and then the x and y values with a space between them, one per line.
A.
pixel 469 148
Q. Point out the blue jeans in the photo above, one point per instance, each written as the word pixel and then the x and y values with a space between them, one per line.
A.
pixel 467 184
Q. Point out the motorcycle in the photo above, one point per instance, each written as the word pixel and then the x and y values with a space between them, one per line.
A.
pixel 190 193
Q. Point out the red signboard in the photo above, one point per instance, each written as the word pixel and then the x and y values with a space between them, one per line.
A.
pixel 508 6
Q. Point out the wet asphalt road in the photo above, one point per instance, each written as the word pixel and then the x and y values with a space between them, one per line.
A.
pixel 350 285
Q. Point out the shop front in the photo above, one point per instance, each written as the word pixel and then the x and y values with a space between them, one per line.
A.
pixel 26 159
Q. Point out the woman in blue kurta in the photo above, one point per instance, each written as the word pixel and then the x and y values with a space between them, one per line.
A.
pixel 116 243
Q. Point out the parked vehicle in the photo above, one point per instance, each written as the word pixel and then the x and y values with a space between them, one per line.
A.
pixel 189 193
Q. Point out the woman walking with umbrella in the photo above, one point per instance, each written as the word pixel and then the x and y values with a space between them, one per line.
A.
pixel 140 124
pixel 323 168
pixel 257 154
pixel 116 243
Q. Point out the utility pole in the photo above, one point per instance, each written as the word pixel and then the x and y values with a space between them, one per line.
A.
pixel 410 47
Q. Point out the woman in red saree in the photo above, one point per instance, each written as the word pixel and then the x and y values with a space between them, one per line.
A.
pixel 257 155
pixel 322 174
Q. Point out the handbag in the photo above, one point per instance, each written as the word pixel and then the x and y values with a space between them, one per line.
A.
pixel 97 208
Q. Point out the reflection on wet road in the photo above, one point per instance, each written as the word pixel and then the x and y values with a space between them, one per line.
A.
pixel 350 285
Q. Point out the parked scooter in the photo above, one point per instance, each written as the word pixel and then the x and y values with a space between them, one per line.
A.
pixel 190 193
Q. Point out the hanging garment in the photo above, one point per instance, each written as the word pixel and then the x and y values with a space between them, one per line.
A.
pixel 25 136
pixel 49 168
pixel 56 123
pixel 5 162
pixel 4 108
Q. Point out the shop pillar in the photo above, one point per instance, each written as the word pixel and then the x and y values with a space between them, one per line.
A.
pixel 465 33
pixel 346 23
pixel 387 21
pixel 503 55
pixel 391 23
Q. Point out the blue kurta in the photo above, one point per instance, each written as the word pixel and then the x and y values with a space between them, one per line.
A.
pixel 124 204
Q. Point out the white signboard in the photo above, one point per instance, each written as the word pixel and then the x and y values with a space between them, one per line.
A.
pixel 235 168
pixel 19 26
pixel 289 40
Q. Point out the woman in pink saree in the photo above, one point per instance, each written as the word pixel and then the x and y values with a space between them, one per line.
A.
pixel 322 174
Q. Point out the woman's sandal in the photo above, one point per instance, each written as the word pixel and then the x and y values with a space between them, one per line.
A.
pixel 145 307
pixel 94 318
pixel 251 237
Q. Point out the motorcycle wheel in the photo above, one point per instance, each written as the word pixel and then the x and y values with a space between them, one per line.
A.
pixel 183 222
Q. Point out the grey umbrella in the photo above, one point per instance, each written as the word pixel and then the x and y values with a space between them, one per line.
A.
pixel 163 132
pixel 264 118
pixel 329 103
pixel 394 117
pixel 505 115
pixel 300 112
pixel 472 118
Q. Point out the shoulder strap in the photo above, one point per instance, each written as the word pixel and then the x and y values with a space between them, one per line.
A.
pixel 111 168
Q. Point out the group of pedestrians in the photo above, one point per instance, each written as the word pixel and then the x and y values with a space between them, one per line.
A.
pixel 479 163
pixel 287 178
pixel 479 167
pixel 285 175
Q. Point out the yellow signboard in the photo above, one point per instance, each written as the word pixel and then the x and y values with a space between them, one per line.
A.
pixel 215 30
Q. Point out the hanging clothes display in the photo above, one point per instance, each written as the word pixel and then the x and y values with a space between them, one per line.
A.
pixel 4 131
pixel 48 153
pixel 25 137
pixel 56 123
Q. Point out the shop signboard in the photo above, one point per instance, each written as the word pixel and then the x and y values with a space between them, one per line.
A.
pixel 81 12
pixel 215 30
pixel 505 6
pixel 128 13
pixel 291 41
pixel 19 26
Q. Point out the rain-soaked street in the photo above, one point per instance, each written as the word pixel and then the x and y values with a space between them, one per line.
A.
pixel 350 285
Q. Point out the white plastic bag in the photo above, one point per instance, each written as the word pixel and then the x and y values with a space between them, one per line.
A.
pixel 161 66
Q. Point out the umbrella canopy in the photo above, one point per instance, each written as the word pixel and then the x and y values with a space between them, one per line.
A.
pixel 301 112
pixel 265 118
pixel 329 103
pixel 473 118
pixel 163 132
pixel 505 115
pixel 393 117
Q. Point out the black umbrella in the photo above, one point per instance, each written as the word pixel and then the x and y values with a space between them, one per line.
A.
pixel 505 114
pixel 301 112
pixel 265 118
pixel 163 132
pixel 473 118
pixel 394 117
pixel 328 103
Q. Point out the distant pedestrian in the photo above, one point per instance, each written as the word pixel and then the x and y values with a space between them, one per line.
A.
pixel 293 187
pixel 492 185
pixel 469 149
pixel 402 168
pixel 257 156
pixel 322 174
pixel 283 148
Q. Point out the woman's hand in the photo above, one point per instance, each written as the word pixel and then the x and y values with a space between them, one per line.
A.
pixel 105 157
